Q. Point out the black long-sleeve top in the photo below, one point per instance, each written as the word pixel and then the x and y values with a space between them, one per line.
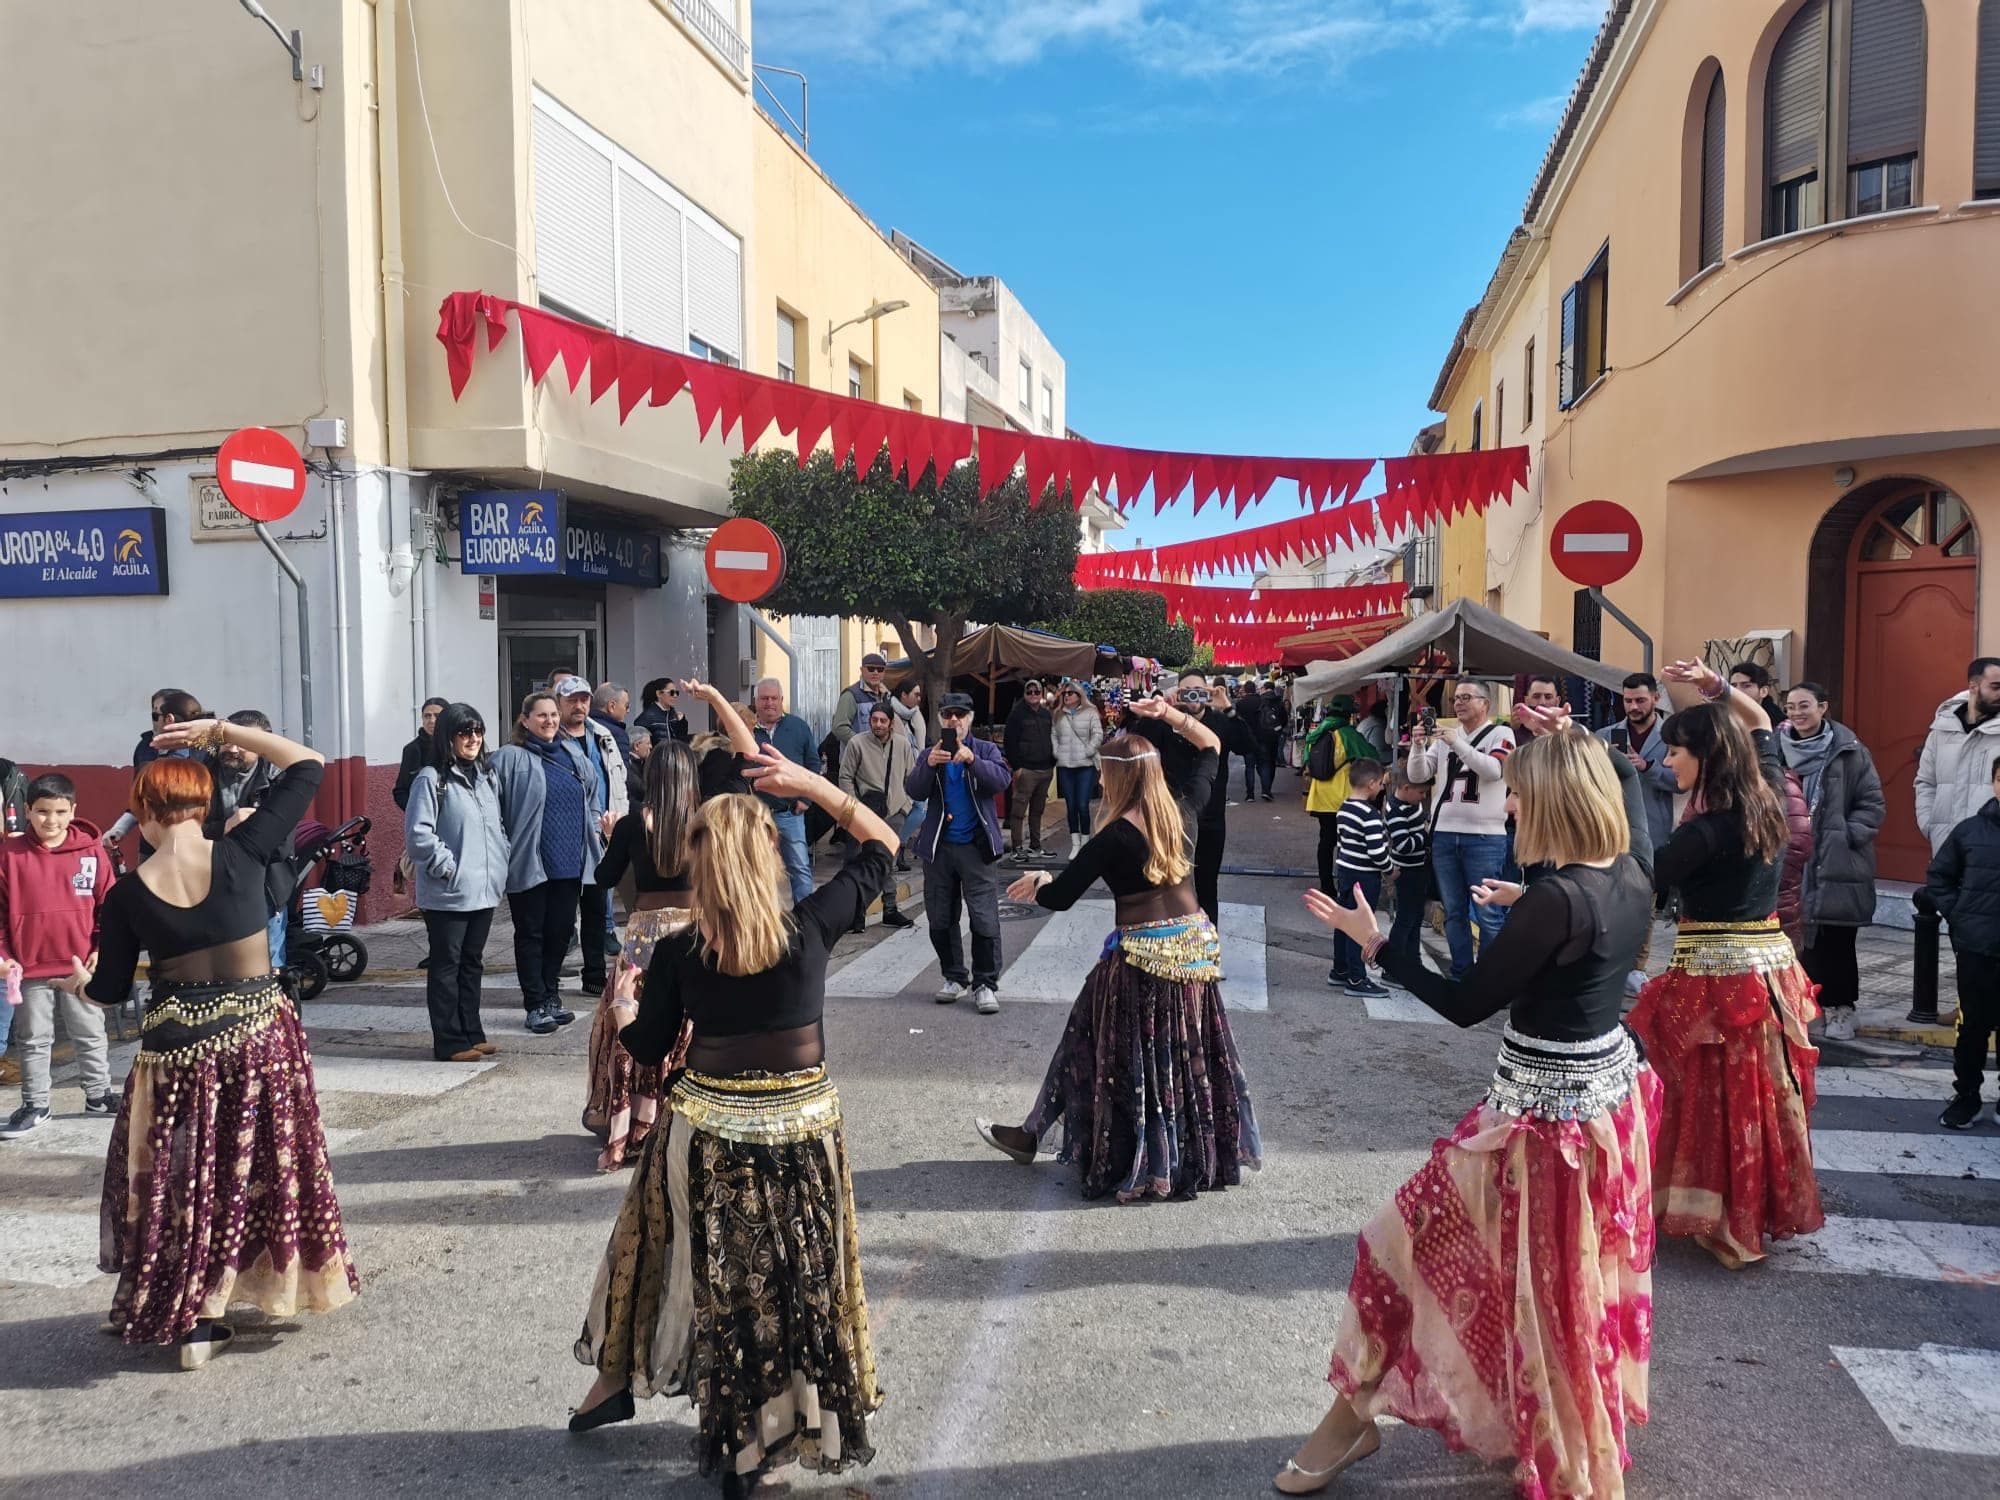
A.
pixel 631 845
pixel 1705 859
pixel 136 920
pixel 1117 853
pixel 1558 966
pixel 757 1009
pixel 416 755
pixel 1179 759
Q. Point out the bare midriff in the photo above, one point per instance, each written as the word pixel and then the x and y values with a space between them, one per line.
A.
pixel 758 1051
pixel 1157 905
pixel 246 958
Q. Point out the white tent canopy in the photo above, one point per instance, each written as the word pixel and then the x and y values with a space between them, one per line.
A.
pixel 1479 642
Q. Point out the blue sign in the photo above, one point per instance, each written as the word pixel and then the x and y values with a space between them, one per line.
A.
pixel 530 531
pixel 54 554
pixel 510 531
pixel 609 553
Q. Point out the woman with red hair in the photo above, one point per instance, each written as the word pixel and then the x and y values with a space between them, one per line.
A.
pixel 216 1187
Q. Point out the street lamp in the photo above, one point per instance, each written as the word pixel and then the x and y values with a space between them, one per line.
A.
pixel 876 310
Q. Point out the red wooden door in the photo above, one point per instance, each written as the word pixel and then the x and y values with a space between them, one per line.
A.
pixel 1912 582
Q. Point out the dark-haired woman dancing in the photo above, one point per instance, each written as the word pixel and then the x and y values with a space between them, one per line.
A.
pixel 1725 1025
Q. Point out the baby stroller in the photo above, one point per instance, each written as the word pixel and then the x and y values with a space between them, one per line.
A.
pixel 320 942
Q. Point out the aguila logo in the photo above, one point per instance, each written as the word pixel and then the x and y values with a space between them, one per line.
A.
pixel 131 546
pixel 531 516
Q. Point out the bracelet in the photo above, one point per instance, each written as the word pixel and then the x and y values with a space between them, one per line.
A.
pixel 846 813
pixel 215 736
pixel 1372 947
pixel 1719 694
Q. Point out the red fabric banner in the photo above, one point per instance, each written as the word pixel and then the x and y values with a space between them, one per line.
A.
pixel 1419 490
pixel 1221 607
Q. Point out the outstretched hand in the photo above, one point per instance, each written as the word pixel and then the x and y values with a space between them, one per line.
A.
pixel 1541 720
pixel 1356 921
pixel 773 775
pixel 1496 893
pixel 1697 673
pixel 1150 708
pixel 1024 888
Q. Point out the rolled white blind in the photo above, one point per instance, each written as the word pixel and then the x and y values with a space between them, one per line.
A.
pixel 1885 80
pixel 574 262
pixel 649 248
pixel 1986 113
pixel 1795 96
pixel 788 343
pixel 715 291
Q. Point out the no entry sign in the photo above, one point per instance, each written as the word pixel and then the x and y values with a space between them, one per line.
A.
pixel 1596 543
pixel 745 560
pixel 261 473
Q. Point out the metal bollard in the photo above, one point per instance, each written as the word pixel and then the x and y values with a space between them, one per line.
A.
pixel 1924 981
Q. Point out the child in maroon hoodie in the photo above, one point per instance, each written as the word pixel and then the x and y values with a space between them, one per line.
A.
pixel 53 880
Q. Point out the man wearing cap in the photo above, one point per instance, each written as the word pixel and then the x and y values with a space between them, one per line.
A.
pixel 596 750
pixel 1031 755
pixel 959 845
pixel 850 713
pixel 794 739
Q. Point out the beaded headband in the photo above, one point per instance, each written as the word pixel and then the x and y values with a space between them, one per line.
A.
pixel 1140 755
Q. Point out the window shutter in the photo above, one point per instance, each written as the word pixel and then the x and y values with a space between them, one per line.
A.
pixel 649 254
pixel 1795 96
pixel 1566 361
pixel 1986 113
pixel 573 237
pixel 715 291
pixel 1713 172
pixel 1885 80
pixel 788 343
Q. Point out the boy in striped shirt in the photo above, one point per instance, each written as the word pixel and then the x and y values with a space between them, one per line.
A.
pixel 1360 856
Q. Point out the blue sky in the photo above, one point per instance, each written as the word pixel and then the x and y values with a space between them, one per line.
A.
pixel 1250 226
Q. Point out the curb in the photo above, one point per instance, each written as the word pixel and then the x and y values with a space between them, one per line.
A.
pixel 1916 1035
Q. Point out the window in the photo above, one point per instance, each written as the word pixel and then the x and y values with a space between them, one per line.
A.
pixel 1869 147
pixel 1500 411
pixel 1048 406
pixel 788 346
pixel 1713 174
pixel 1478 424
pixel 1528 386
pixel 1026 393
pixel 1986 112
pixel 857 380
pixel 617 245
pixel 912 402
pixel 1584 349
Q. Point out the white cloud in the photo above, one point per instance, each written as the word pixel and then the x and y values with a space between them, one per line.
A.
pixel 1536 114
pixel 1561 15
pixel 1183 38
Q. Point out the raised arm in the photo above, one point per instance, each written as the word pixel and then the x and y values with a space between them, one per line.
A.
pixel 270 826
pixel 1714 688
pixel 741 740
pixel 1186 725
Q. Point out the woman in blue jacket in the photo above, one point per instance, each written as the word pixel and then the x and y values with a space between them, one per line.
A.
pixel 458 850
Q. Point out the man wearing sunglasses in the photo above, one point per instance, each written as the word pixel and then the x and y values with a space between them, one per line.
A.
pixel 959 844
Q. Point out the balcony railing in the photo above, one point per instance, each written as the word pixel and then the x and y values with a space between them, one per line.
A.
pixel 718 30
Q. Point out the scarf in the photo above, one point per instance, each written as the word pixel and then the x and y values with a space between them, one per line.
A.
pixel 1353 744
pixel 1808 758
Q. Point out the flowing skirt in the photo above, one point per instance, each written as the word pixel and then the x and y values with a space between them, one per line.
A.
pixel 622 1099
pixel 1725 1028
pixel 216 1186
pixel 733 1276
pixel 1146 1080
pixel 1503 1297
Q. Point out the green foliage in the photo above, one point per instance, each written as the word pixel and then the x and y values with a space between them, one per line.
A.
pixel 1203 658
pixel 1132 620
pixel 870 546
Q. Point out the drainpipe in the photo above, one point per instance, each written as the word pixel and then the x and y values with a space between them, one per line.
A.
pixel 395 392
pixel 791 658
pixel 343 680
pixel 290 570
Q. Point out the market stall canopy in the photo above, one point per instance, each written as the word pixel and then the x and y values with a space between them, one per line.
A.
pixel 1338 641
pixel 1479 642
pixel 998 653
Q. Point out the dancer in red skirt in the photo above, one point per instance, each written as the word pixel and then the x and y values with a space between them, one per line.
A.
pixel 1725 1025
pixel 1504 1295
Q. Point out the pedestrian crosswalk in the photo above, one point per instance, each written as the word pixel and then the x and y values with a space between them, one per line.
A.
pixel 1049 967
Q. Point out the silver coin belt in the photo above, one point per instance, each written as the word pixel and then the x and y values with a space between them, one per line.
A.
pixel 1563 1080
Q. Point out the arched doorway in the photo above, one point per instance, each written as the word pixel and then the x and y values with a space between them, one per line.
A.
pixel 1911 590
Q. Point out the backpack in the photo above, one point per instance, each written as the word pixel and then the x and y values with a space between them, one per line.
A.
pixel 1321 765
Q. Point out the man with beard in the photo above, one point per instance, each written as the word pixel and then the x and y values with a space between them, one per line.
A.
pixel 1638 740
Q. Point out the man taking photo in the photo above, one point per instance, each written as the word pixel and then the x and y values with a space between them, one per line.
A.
pixel 1465 759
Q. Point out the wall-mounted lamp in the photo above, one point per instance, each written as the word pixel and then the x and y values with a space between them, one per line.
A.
pixel 1843 476
pixel 877 310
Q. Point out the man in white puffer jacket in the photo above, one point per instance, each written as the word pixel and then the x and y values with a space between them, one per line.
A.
pixel 1955 771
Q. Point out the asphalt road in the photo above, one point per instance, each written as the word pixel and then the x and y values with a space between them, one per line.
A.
pixel 1030 1343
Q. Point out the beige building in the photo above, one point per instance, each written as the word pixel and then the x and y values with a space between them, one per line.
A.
pixel 1756 298
pixel 216 244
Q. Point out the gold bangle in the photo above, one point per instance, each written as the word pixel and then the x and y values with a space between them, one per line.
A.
pixel 215 736
pixel 846 813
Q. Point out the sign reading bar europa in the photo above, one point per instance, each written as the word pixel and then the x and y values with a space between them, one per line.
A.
pixel 66 553
pixel 531 531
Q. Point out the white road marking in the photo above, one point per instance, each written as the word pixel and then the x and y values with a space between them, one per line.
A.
pixel 392 1075
pixel 1934 1396
pixel 1886 1083
pixel 886 969
pixel 56 1248
pixel 1906 1155
pixel 399 1020
pixel 64 1135
pixel 1919 1251
pixel 1054 964
pixel 1246 972
pixel 1401 1005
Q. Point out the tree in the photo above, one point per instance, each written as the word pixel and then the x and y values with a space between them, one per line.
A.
pixel 871 546
pixel 1134 621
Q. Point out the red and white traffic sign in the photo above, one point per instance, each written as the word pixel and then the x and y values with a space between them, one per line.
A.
pixel 745 560
pixel 261 473
pixel 1596 543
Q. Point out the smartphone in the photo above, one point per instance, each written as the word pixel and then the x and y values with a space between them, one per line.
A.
pixel 949 740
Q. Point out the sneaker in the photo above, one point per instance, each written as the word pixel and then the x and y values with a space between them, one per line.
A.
pixel 1365 988
pixel 1269 798
pixel 893 918
pixel 23 1120
pixel 105 1103
pixel 1840 1023
pixel 1014 857
pixel 954 990
pixel 542 1021
pixel 1335 979
pixel 1036 851
pixel 985 1001
pixel 561 1016
pixel 1961 1112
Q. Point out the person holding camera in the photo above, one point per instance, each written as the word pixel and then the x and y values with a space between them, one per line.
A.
pixel 1465 760
pixel 959 843
pixel 1193 695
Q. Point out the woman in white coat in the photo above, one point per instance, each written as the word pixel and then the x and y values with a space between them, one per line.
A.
pixel 1079 731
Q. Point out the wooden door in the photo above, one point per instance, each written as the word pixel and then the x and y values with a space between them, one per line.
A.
pixel 1913 578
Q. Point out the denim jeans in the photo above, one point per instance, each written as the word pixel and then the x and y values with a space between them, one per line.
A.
pixel 1347 960
pixel 1462 860
pixel 792 845
pixel 1074 785
pixel 274 933
pixel 913 824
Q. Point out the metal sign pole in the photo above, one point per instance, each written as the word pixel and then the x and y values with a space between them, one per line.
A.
pixel 1645 641
pixel 291 571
